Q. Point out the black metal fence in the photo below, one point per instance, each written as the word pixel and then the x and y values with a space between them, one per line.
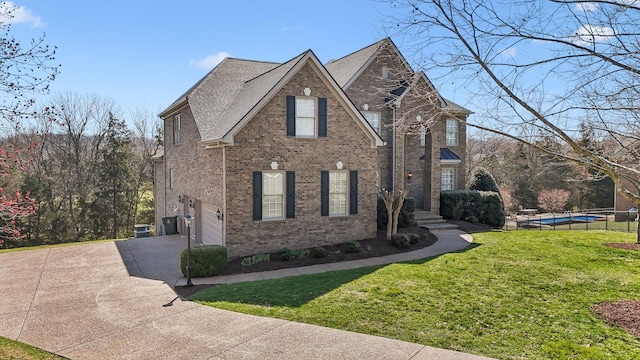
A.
pixel 591 219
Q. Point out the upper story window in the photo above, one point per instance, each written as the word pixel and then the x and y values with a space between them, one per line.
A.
pixel 373 117
pixel 447 179
pixel 451 136
pixel 385 72
pixel 171 179
pixel 176 129
pixel 423 135
pixel 306 116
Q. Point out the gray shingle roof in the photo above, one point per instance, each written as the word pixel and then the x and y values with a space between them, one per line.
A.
pixel 455 108
pixel 226 97
pixel 345 68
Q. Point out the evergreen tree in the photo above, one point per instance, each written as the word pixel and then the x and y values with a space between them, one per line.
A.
pixel 483 181
pixel 112 209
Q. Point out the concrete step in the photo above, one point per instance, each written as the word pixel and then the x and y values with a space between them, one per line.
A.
pixel 431 221
pixel 426 216
pixel 440 226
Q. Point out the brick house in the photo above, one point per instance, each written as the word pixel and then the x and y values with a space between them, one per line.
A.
pixel 265 155
pixel 425 161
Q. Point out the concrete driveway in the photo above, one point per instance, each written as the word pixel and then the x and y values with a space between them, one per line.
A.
pixel 105 301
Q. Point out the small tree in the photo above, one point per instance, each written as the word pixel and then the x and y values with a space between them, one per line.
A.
pixel 483 181
pixel 393 201
pixel 553 200
pixel 16 206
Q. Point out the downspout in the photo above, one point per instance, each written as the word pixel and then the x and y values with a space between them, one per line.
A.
pixel 393 149
pixel 224 195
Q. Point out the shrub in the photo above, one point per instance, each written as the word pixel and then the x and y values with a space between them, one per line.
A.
pixel 255 259
pixel 413 238
pixel 206 260
pixel 318 252
pixel 406 217
pixel 286 254
pixel 353 247
pixel 486 206
pixel 483 181
pixel 400 240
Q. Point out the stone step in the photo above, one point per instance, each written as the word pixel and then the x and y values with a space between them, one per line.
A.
pixel 425 216
pixel 431 221
pixel 440 226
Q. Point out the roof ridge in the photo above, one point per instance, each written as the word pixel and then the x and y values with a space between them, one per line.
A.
pixel 279 65
pixel 377 43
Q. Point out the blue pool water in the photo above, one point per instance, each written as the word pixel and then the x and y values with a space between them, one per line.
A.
pixel 567 219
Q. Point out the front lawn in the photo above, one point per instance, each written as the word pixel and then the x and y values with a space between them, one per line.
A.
pixel 519 294
pixel 10 349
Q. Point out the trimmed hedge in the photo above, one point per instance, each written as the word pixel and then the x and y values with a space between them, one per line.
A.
pixel 472 205
pixel 206 260
pixel 406 217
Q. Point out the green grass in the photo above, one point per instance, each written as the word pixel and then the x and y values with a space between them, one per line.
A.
pixel 517 294
pixel 10 349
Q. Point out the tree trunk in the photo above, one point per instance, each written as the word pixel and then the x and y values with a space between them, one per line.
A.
pixel 398 202
pixel 387 197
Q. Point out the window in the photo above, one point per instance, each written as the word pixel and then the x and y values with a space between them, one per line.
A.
pixel 452 132
pixel 385 72
pixel 423 135
pixel 337 193
pixel 373 117
pixel 447 179
pixel 274 195
pixel 171 178
pixel 176 129
pixel 306 116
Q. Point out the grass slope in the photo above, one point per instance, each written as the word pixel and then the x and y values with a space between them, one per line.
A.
pixel 519 294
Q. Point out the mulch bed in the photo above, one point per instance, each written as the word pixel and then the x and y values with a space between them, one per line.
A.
pixel 624 314
pixel 625 246
pixel 375 247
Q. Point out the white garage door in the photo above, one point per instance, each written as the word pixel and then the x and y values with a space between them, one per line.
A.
pixel 211 227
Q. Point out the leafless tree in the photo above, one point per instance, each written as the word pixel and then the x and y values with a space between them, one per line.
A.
pixel 25 70
pixel 543 65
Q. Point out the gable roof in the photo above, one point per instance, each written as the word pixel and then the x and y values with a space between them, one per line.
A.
pixel 348 68
pixel 232 93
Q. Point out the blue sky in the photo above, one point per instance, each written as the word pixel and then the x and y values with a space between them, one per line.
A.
pixel 144 54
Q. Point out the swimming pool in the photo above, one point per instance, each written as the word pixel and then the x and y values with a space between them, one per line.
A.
pixel 567 219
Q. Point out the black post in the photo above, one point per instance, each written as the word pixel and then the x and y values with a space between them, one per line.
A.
pixel 188 217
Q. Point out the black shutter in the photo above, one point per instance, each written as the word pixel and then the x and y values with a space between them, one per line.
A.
pixel 353 192
pixel 291 194
pixel 322 117
pixel 257 195
pixel 324 193
pixel 291 115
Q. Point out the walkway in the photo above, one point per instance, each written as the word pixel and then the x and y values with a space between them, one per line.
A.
pixel 105 301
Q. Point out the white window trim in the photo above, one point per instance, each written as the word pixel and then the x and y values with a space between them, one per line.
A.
pixel 315 117
pixel 423 135
pixel 177 129
pixel 346 194
pixel 282 194
pixel 379 127
pixel 453 178
pixel 447 132
pixel 171 179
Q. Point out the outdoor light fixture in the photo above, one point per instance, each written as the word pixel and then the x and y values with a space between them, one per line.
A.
pixel 187 219
pixel 191 204
pixel 219 214
pixel 180 199
pixel 409 175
